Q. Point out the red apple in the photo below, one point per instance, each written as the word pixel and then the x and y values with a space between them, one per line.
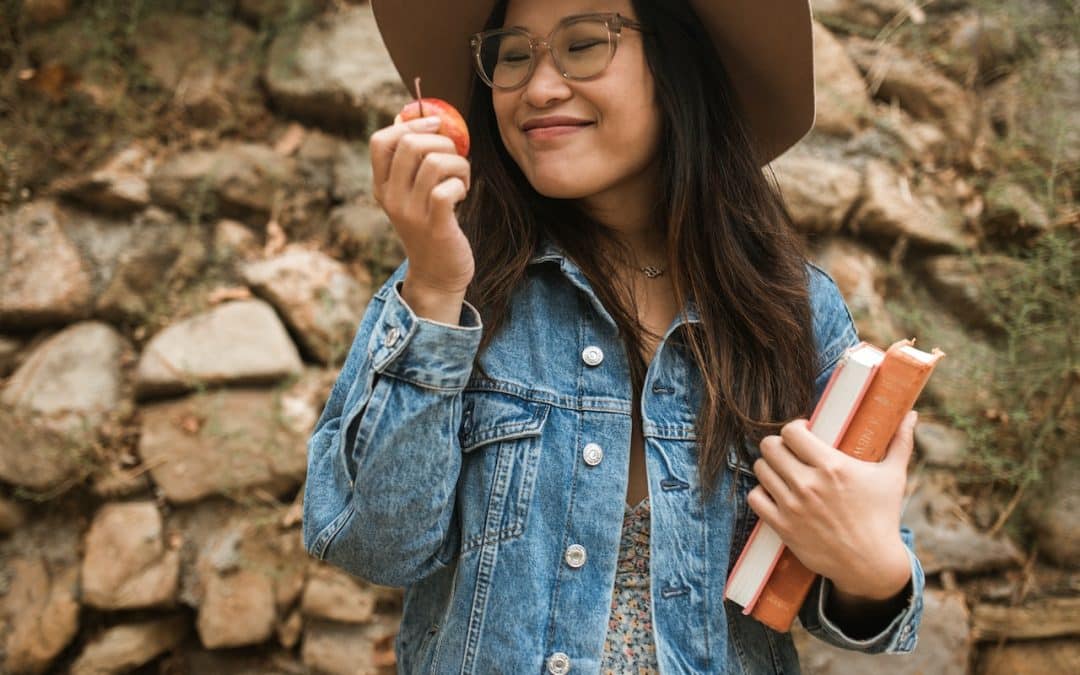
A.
pixel 453 124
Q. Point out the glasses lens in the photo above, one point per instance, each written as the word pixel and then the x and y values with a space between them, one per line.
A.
pixel 505 58
pixel 584 47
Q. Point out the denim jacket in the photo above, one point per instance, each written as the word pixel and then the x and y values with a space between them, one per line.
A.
pixel 496 500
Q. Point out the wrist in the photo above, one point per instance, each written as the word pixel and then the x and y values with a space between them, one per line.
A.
pixel 435 305
pixel 884 580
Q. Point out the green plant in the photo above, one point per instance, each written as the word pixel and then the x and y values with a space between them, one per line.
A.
pixel 1021 409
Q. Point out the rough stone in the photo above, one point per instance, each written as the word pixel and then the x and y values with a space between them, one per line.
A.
pixel 120 184
pixel 981 45
pixel 336 72
pixel 12 515
pixel 127 563
pixel 239 180
pixel 940 444
pixel 43 279
pixel 206 64
pixel 363 230
pixel 123 648
pixel 39 12
pixel 223 442
pixel 333 594
pixel 237 609
pixel 55 403
pixel 850 15
pixel 1055 514
pixel 974 287
pixel 819 193
pixel 234 241
pixel 944 541
pixel 921 89
pixel 1011 213
pixel 348 649
pixel 73 379
pixel 1031 658
pixel 860 276
pixel 41 609
pixel 890 210
pixel 148 258
pixel 842 101
pixel 233 343
pixel 10 348
pixel 319 300
pixel 897 137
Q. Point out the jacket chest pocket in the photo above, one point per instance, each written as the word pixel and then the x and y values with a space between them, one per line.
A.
pixel 500 444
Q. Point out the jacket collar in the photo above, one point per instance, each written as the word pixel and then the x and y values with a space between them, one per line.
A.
pixel 549 251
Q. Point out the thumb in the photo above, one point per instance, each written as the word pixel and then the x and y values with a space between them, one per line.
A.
pixel 902 444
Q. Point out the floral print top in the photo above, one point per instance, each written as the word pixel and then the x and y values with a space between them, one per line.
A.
pixel 629 647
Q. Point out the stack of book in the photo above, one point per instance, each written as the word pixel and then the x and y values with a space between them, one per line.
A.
pixel 869 393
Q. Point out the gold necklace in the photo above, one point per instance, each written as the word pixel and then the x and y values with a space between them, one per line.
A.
pixel 652 271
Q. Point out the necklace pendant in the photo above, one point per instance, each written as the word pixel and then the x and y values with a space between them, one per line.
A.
pixel 651 271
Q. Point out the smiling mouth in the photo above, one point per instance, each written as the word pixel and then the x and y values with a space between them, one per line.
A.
pixel 554 131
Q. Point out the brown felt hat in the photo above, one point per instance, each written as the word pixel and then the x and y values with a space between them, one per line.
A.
pixel 766 47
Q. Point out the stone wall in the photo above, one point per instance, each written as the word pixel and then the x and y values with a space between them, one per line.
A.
pixel 172 318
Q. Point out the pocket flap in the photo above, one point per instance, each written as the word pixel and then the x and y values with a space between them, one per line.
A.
pixel 490 416
pixel 733 459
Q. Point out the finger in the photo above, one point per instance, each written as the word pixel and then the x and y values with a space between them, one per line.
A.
pixel 763 505
pixel 804 444
pixel 443 198
pixel 783 462
pixel 383 144
pixel 902 444
pixel 434 169
pixel 411 149
pixel 775 485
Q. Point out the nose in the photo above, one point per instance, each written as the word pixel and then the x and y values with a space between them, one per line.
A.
pixel 547 85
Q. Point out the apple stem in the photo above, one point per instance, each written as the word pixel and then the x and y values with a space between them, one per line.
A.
pixel 419 98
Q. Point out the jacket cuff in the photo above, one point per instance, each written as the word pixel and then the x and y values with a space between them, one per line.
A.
pixel 422 351
pixel 899 637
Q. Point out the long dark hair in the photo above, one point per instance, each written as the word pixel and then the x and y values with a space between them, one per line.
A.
pixel 731 244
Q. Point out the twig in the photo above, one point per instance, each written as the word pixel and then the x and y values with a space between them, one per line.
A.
pixel 1008 510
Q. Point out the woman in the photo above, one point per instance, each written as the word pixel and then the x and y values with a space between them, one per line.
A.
pixel 562 414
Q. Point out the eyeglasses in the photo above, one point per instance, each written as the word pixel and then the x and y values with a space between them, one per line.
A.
pixel 582 46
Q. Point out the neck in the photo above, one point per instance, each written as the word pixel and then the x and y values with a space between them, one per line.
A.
pixel 629 209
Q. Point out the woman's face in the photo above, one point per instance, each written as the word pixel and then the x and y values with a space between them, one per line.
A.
pixel 620 140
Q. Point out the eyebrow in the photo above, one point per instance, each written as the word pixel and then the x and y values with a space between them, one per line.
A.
pixel 589 11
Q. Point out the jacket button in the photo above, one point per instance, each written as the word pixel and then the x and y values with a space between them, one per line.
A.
pixel 593 453
pixel 592 355
pixel 575 555
pixel 392 336
pixel 558 663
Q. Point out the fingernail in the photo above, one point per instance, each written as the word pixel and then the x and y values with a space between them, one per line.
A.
pixel 427 123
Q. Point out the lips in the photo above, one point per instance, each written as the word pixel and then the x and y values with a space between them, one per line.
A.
pixel 554 121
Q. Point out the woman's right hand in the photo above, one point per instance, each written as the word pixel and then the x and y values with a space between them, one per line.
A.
pixel 418 177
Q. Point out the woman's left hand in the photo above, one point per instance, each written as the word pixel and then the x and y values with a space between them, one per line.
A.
pixel 839 515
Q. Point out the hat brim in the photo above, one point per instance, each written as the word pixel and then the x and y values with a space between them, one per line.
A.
pixel 766 47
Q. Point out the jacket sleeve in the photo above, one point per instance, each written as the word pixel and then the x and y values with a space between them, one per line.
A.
pixel 835 331
pixel 384 456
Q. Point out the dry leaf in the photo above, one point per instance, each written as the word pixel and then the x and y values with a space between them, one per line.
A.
pixel 223 293
pixel 290 141
pixel 275 239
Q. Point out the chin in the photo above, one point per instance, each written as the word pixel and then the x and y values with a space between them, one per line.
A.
pixel 561 184
pixel 560 189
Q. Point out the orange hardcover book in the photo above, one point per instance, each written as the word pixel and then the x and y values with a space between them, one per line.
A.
pixel 891 394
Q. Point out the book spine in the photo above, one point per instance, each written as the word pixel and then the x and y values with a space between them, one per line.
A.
pixel 892 392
